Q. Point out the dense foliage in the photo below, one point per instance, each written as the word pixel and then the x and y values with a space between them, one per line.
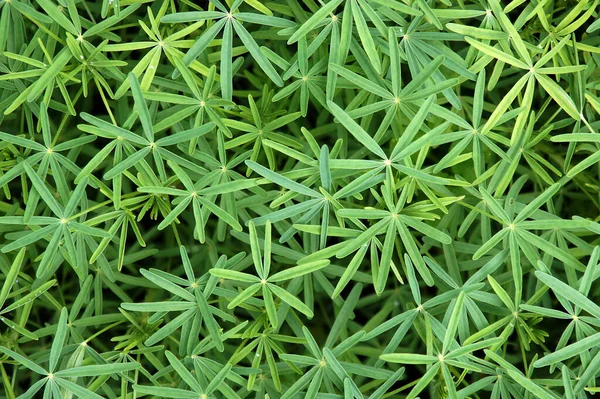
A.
pixel 299 199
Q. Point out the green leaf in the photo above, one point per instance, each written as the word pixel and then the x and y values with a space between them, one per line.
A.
pixel 361 82
pixel 114 131
pixel 479 33
pixel 43 191
pixel 183 371
pixel 559 95
pixel 409 358
pixel 356 130
pixel 167 285
pixel 170 306
pixel 123 166
pixel 455 316
pixel 209 320
pixel 569 293
pixel 20 141
pixel 95 370
pixel 428 231
pixel 141 107
pixel 256 53
pixel 11 276
pixel 498 54
pixel 165 392
pixel 365 36
pixel 53 70
pixel 516 40
pixel 78 390
pixel 57 16
pixel 314 20
pixel 569 351
pixel 281 180
pixel 234 275
pixel 270 306
pixel 529 385
pixel 23 361
pixel 298 271
pixel 169 328
pixel 537 202
pixel 502 294
pixel 201 43
pixel 59 340
pixel 291 300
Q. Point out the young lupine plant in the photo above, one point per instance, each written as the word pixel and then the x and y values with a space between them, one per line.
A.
pixel 293 199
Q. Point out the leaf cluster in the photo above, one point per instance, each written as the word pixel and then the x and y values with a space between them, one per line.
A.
pixel 299 199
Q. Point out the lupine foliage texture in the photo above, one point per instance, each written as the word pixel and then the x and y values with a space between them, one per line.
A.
pixel 299 199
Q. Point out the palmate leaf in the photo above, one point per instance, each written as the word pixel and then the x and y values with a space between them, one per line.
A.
pixel 322 203
pixel 314 20
pixel 403 149
pixel 193 303
pixel 258 130
pixel 395 221
pixel 48 157
pixel 58 227
pixel 201 199
pixel 56 375
pixel 265 282
pixel 204 103
pixel 161 45
pixel 535 72
pixel 227 20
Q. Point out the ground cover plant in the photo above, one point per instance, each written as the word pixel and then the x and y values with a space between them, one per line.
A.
pixel 299 199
